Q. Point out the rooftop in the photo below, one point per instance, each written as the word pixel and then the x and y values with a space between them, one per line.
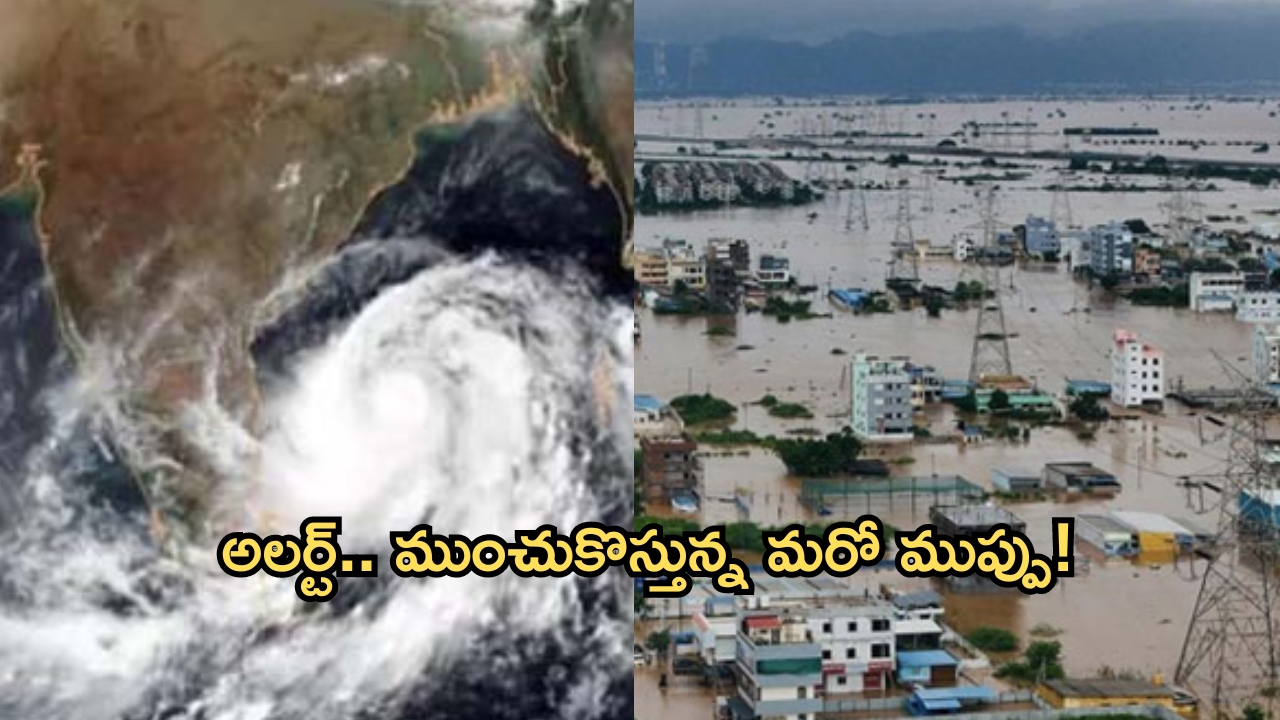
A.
pixel 1147 522
pixel 972 692
pixel 647 403
pixel 1016 472
pixel 918 600
pixel 1108 688
pixel 1107 525
pixel 977 515
pixel 1005 382
pixel 1078 468
pixel 851 607
pixel 925 658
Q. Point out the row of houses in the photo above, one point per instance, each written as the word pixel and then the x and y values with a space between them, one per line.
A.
pixel 810 648
pixel 723 272
pixel 1250 296
pixel 1126 250
pixel 806 642
pixel 689 182
pixel 887 393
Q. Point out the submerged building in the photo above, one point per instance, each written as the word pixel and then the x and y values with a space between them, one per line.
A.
pixel 882 399
pixel 1137 372
pixel 671 469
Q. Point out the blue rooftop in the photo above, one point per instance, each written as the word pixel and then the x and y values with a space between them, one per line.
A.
pixel 940 704
pixel 850 298
pixel 1098 387
pixel 647 403
pixel 1270 261
pixel 926 658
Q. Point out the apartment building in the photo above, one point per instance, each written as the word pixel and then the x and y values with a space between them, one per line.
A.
pixel 882 399
pixel 1137 372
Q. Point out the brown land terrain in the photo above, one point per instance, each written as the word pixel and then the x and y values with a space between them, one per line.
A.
pixel 196 151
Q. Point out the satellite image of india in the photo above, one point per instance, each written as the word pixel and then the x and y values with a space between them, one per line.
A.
pixel 268 261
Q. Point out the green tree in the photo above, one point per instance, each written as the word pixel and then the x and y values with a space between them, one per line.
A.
pixel 1253 712
pixel 659 641
pixel 989 639
pixel 835 455
pixel 1000 401
pixel 1044 654
pixel 1042 660
pixel 1088 409
pixel 702 409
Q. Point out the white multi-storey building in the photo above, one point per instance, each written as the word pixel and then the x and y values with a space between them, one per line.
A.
pixel 857 644
pixel 1258 306
pixel 1215 292
pixel 1137 371
pixel 778 667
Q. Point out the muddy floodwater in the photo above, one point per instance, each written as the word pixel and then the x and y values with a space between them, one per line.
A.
pixel 1119 614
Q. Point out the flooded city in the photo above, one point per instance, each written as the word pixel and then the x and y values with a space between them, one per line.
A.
pixel 1127 615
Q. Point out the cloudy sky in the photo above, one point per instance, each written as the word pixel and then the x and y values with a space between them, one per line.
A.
pixel 817 20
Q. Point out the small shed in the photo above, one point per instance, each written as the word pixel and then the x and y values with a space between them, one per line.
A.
pixel 1017 481
pixel 1106 534
pixel 933 668
pixel 1081 477
pixel 945 701
pixel 1159 538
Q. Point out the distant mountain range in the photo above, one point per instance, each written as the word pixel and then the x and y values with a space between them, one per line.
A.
pixel 1169 56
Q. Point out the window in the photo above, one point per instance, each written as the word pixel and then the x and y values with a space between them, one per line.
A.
pixel 826 654
pixel 853 626
pixel 826 628
pixel 841 680
pixel 850 653
pixel 880 650
pixel 879 625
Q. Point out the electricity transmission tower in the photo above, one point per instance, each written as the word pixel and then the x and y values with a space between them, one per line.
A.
pixel 660 64
pixel 990 338
pixel 1060 207
pixel 697 58
pixel 927 204
pixel 906 263
pixel 1231 657
pixel 1183 210
pixel 856 213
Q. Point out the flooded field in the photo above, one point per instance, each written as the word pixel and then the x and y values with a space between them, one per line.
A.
pixel 1118 614
pixel 1199 128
